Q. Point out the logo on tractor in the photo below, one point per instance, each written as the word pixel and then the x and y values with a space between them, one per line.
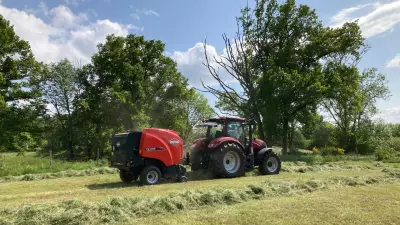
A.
pixel 174 141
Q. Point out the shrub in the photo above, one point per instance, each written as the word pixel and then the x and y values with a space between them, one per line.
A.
pixel 299 141
pixel 324 135
pixel 395 144
pixel 326 151
pixel 385 148
pixel 305 144
pixel 365 149
pixel 340 151
pixel 332 151
pixel 384 154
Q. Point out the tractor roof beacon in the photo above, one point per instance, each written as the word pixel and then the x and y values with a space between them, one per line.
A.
pixel 150 154
pixel 227 151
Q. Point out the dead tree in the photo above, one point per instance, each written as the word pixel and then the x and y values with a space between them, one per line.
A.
pixel 237 62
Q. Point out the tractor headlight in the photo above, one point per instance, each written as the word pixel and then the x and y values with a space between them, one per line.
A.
pixel 118 144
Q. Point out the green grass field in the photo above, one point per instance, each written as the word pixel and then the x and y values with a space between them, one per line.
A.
pixel 13 165
pixel 30 163
pixel 343 192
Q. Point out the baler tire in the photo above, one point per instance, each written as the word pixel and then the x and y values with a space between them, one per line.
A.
pixel 217 161
pixel 195 159
pixel 150 170
pixel 270 158
pixel 127 176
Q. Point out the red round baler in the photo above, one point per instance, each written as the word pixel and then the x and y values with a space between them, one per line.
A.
pixel 150 154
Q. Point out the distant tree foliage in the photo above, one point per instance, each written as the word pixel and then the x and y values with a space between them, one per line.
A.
pixel 289 69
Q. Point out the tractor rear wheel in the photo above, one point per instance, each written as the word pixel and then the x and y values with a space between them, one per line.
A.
pixel 228 161
pixel 127 176
pixel 271 164
pixel 150 175
pixel 195 159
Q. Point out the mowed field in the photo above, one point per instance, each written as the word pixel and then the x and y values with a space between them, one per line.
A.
pixel 330 193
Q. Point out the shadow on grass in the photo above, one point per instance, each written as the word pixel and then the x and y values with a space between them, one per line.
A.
pixel 192 176
pixel 112 185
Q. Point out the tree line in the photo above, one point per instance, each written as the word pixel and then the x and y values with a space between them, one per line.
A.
pixel 289 66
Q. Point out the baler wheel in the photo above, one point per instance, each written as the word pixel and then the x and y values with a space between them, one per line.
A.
pixel 150 175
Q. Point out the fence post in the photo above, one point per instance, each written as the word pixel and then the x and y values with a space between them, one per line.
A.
pixel 51 159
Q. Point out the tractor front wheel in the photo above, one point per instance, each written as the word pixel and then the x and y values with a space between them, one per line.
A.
pixel 271 164
pixel 127 176
pixel 150 175
pixel 228 161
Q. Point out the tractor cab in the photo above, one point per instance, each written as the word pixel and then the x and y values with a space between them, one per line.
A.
pixel 234 127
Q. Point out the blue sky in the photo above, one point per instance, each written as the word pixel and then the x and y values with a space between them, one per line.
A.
pixel 72 28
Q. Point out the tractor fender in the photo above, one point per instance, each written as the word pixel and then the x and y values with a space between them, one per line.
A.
pixel 260 155
pixel 217 142
pixel 198 143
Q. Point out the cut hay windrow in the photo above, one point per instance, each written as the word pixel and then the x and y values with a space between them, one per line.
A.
pixel 68 173
pixel 123 209
pixel 288 167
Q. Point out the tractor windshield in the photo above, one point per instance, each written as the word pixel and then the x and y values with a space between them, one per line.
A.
pixel 235 130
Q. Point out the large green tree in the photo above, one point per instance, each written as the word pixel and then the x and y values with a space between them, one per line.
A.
pixel 58 84
pixel 130 85
pixel 353 101
pixel 289 43
pixel 18 102
pixel 135 74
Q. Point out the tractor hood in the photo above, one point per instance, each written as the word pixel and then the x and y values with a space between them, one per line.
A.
pixel 259 144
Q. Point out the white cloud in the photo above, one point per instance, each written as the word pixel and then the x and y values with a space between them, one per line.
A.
pixel 93 12
pixel 68 35
pixel 144 11
pixel 73 2
pixel 62 16
pixel 43 8
pixel 190 64
pixel 393 63
pixel 390 115
pixel 344 14
pixel 374 18
pixel 135 15
pixel 150 12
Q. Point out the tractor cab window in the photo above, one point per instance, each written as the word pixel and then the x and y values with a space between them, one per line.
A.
pixel 235 130
pixel 216 132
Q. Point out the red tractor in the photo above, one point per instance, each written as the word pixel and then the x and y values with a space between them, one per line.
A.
pixel 151 154
pixel 227 151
